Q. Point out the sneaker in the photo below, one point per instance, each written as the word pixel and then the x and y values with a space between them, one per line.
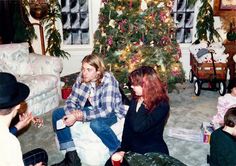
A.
pixel 71 159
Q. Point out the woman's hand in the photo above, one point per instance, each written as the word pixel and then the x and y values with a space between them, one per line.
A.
pixel 118 156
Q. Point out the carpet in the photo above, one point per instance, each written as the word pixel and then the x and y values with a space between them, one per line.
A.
pixel 187 111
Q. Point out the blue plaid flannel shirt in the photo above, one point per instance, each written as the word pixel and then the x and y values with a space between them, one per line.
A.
pixel 106 100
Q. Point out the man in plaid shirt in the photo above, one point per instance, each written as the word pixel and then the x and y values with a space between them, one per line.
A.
pixel 95 98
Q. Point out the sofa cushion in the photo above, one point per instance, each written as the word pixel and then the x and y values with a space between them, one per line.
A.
pixel 16 56
pixel 39 84
pixel 5 68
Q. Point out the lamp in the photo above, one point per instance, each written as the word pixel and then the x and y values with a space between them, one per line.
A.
pixel 38 10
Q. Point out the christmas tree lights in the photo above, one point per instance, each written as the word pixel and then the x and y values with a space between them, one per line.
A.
pixel 132 33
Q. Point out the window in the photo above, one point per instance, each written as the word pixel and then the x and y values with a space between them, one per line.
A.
pixel 75 22
pixel 183 15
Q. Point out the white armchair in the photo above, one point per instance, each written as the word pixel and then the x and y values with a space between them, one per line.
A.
pixel 40 73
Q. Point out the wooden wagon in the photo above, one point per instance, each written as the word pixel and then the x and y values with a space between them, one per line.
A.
pixel 212 73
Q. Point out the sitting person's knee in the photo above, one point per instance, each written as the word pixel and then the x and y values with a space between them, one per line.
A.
pixel 96 125
pixel 58 114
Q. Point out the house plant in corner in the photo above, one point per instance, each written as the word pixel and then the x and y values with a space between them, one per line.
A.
pixel 52 32
pixel 66 87
pixel 67 83
pixel 205 30
pixel 52 11
pixel 66 91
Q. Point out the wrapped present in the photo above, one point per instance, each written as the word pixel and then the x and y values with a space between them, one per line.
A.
pixel 184 134
pixel 207 128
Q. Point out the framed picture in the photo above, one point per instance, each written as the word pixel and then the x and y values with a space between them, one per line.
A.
pixel 76 23
pixel 225 8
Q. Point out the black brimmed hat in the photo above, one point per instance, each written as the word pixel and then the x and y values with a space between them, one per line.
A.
pixel 12 92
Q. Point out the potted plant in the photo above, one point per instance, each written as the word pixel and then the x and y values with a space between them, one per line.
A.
pixel 48 13
pixel 66 91
pixel 231 35
pixel 205 30
pixel 67 83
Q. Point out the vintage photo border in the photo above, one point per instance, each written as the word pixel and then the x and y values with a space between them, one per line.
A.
pixel 218 11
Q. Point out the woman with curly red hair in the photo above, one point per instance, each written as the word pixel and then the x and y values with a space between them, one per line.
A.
pixel 147 114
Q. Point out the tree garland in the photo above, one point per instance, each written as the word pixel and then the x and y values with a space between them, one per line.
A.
pixel 135 33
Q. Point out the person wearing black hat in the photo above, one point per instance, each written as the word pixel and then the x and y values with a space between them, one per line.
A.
pixel 12 93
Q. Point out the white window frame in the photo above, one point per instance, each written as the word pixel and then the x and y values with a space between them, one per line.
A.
pixel 185 26
pixel 79 47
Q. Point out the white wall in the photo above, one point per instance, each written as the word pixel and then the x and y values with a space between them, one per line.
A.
pixel 73 64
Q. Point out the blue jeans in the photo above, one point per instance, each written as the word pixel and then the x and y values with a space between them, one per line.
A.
pixel 64 135
pixel 100 126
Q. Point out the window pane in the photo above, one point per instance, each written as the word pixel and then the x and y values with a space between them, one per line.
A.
pixel 75 22
pixel 183 16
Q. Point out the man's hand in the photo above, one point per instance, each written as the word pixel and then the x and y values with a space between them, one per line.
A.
pixel 69 119
pixel 74 116
pixel 24 120
pixel 38 122
pixel 78 114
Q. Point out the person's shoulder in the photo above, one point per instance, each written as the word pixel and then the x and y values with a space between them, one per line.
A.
pixel 164 104
pixel 108 76
pixel 217 132
pixel 10 140
pixel 225 97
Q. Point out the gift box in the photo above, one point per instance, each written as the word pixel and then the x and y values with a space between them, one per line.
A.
pixel 65 92
pixel 206 129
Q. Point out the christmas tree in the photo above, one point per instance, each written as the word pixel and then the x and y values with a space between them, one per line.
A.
pixel 132 33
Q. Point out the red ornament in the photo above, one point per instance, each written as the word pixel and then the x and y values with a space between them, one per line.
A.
pixel 109 41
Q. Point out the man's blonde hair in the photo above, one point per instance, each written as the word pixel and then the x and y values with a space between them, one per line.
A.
pixel 96 61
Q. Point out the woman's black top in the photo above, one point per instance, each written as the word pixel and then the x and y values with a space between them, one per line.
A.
pixel 143 130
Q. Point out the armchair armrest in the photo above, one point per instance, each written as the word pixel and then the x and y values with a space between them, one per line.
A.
pixel 5 68
pixel 45 64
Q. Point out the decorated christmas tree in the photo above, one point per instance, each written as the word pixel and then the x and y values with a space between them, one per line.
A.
pixel 132 33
